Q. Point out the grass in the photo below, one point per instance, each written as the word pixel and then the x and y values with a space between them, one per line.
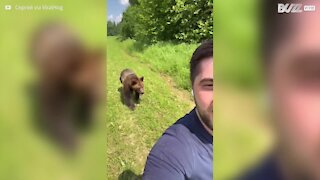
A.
pixel 131 134
pixel 167 58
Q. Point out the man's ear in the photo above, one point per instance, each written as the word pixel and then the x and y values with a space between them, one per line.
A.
pixel 141 78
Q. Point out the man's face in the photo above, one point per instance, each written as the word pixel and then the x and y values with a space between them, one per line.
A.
pixel 203 91
pixel 294 81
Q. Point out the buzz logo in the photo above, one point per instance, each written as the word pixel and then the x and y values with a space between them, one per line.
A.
pixel 289 8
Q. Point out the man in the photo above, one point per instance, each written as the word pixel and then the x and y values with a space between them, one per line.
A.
pixel 185 149
pixel 292 71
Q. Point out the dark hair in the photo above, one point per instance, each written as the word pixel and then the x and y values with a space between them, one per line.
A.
pixel 205 50
pixel 275 26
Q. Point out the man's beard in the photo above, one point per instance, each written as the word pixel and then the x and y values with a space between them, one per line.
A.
pixel 206 116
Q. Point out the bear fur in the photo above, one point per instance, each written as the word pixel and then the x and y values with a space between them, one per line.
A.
pixel 70 82
pixel 133 87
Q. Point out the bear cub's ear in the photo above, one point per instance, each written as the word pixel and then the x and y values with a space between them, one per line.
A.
pixel 141 78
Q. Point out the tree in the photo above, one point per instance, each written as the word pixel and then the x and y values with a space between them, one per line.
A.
pixel 151 21
pixel 113 29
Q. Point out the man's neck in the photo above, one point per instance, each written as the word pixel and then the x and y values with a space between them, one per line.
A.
pixel 203 124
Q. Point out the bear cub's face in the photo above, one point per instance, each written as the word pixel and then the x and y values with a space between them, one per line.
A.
pixel 138 86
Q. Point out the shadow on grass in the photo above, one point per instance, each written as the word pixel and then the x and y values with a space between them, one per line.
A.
pixel 120 90
pixel 122 98
pixel 129 175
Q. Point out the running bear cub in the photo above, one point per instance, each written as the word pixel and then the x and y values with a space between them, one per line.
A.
pixel 133 87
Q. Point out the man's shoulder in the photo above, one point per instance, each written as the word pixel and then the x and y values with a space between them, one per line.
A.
pixel 267 169
pixel 177 141
pixel 179 134
pixel 172 153
pixel 177 130
pixel 175 153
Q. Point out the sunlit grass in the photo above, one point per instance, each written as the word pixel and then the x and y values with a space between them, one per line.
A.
pixel 131 134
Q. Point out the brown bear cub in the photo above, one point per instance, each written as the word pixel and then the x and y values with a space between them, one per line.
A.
pixel 133 87
pixel 70 84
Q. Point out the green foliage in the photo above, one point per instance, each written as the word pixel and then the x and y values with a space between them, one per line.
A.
pixel 193 20
pixel 152 21
pixel 166 58
pixel 133 2
pixel 113 29
pixel 128 23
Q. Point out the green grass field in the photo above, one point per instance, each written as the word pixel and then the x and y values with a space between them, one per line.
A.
pixel 131 134
pixel 167 58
